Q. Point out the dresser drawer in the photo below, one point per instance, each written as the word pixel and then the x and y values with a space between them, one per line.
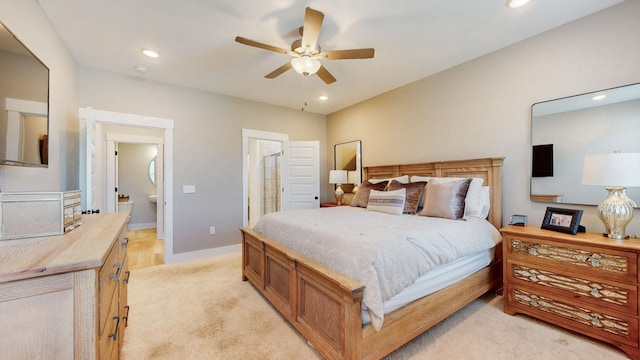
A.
pixel 617 296
pixel 601 262
pixel 584 319
pixel 108 285
pixel 109 338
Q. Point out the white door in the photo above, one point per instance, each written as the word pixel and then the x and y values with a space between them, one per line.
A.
pixel 301 175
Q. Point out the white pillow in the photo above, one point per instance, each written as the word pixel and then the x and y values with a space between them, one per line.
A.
pixel 402 179
pixel 473 201
pixel 485 195
pixel 390 202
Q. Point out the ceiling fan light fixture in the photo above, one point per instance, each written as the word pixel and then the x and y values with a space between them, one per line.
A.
pixel 305 65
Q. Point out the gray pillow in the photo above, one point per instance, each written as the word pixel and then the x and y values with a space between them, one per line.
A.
pixel 361 199
pixel 445 200
pixel 414 193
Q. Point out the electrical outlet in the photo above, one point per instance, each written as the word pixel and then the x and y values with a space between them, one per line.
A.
pixel 188 189
pixel 212 230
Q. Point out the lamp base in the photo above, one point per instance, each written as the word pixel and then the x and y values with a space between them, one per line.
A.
pixel 339 194
pixel 616 212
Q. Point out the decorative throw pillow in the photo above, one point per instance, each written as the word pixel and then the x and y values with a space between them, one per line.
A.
pixel 390 202
pixel 473 200
pixel 445 200
pixel 414 192
pixel 361 199
pixel 403 179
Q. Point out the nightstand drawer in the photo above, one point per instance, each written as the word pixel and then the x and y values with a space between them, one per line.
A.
pixel 617 296
pixel 601 262
pixel 584 319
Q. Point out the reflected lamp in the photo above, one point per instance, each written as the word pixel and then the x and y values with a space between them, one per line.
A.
pixel 616 172
pixel 338 177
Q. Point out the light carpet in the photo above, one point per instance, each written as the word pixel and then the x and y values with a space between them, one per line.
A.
pixel 202 309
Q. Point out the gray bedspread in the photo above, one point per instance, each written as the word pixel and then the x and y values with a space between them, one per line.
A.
pixel 385 252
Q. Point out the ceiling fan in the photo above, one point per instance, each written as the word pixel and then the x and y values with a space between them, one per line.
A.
pixel 306 52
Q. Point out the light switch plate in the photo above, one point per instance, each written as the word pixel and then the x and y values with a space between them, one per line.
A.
pixel 188 189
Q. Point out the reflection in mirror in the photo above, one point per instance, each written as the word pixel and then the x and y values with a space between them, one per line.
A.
pixel 24 94
pixel 348 156
pixel 582 125
pixel 152 170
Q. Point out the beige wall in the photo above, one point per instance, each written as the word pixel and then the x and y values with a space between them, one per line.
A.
pixel 27 21
pixel 482 108
pixel 207 147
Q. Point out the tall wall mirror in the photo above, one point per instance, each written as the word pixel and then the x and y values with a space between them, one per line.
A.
pixel 348 156
pixel 564 131
pixel 24 98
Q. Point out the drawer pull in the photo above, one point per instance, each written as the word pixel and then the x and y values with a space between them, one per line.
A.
pixel 533 250
pixel 534 301
pixel 128 276
pixel 595 320
pixel 125 243
pixel 126 318
pixel 117 266
pixel 114 277
pixel 533 277
pixel 595 292
pixel 594 260
pixel 114 335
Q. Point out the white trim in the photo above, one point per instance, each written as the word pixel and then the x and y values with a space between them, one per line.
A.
pixel 199 254
pixel 26 106
pixel 115 118
pixel 246 135
pixel 133 139
pixel 139 226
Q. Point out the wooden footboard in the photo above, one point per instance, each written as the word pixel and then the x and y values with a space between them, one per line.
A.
pixel 325 306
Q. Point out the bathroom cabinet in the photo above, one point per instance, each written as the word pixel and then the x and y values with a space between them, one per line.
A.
pixel 65 296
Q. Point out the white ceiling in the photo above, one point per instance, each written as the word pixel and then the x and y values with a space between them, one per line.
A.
pixel 195 38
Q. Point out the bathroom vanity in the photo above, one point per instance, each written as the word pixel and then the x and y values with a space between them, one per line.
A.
pixel 65 296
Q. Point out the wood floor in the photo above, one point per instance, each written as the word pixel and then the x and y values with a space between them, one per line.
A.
pixel 144 249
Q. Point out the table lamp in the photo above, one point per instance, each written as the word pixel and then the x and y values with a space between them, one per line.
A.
pixel 338 177
pixel 615 172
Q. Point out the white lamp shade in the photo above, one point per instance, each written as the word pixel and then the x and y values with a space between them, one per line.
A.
pixel 338 177
pixel 617 169
pixel 305 65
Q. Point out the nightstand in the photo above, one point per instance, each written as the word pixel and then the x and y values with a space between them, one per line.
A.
pixel 585 282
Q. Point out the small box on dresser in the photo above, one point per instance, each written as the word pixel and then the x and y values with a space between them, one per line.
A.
pixel 587 283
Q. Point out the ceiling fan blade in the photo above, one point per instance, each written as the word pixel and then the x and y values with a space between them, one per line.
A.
pixel 348 54
pixel 311 28
pixel 277 72
pixel 325 75
pixel 246 41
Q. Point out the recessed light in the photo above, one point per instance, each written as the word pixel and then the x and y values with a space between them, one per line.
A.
pixel 323 97
pixel 516 3
pixel 141 69
pixel 599 97
pixel 150 53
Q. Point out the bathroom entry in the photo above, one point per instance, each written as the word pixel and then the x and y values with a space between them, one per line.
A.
pixel 135 186
pixel 265 178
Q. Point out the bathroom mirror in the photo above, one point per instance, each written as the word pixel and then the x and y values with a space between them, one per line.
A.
pixel 582 125
pixel 348 156
pixel 24 96
pixel 152 170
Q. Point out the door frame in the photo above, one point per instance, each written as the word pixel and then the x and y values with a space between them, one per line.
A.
pixel 247 135
pixel 90 116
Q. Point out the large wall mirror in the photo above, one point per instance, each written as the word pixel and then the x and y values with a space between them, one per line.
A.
pixel 564 131
pixel 24 98
pixel 348 156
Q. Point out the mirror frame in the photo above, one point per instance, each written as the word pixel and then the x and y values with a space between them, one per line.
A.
pixel 578 126
pixel 339 164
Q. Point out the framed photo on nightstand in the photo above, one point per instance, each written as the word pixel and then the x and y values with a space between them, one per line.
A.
pixel 562 220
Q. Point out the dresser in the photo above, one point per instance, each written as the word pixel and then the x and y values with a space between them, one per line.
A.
pixel 587 283
pixel 65 296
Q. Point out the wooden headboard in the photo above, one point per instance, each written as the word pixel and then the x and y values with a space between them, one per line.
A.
pixel 489 169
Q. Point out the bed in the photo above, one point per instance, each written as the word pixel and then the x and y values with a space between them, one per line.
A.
pixel 326 306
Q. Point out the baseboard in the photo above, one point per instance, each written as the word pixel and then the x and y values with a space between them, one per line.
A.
pixel 199 254
pixel 140 226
